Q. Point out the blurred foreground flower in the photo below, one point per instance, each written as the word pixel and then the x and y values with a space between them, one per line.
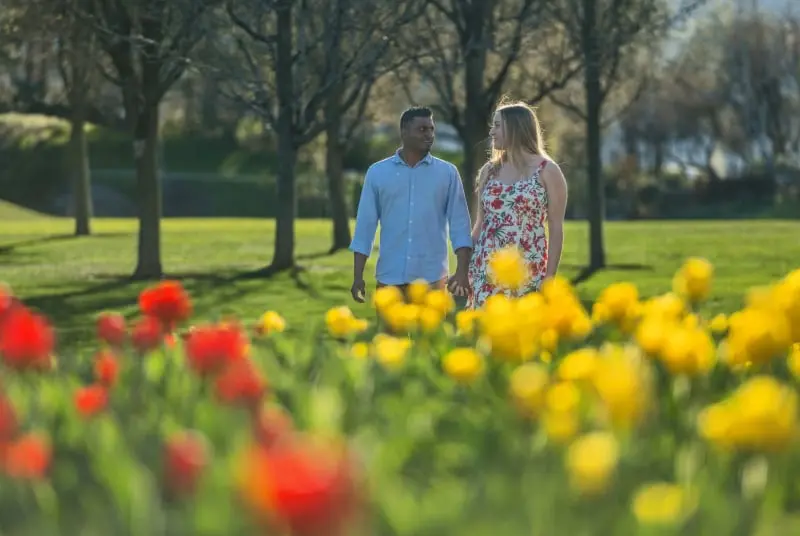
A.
pixel 756 335
pixel 168 302
pixel 240 383
pixel 417 291
pixel 212 347
pixel 623 384
pixel 464 365
pixel 270 322
pixel 91 400
pixel 507 269
pixel 591 461
pixel 618 304
pixel 147 334
pixel 719 324
pixel 385 297
pixel 111 329
pixel 27 340
pixel 186 455
pixel 106 367
pixel 360 350
pixel 528 387
pixel 27 457
pixel 466 321
pixel 302 485
pixel 342 323
pixel 662 503
pixel 561 419
pixel 391 351
pixel 761 415
pixel 693 280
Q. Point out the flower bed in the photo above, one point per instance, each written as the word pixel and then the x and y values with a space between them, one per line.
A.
pixel 531 416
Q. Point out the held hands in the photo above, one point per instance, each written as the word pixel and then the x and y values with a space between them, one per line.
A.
pixel 458 284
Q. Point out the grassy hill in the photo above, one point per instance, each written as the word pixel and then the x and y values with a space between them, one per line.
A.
pixel 10 211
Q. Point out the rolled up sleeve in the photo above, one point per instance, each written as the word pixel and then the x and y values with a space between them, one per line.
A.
pixel 458 213
pixel 366 217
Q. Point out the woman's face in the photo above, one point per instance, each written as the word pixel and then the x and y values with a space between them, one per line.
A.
pixel 497 132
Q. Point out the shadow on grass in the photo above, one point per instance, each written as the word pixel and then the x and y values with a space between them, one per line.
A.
pixel 9 254
pixel 8 249
pixel 586 272
pixel 319 254
pixel 73 312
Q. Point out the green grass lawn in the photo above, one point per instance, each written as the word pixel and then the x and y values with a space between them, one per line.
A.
pixel 442 458
pixel 72 279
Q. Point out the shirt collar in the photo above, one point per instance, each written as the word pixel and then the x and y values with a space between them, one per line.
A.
pixel 397 159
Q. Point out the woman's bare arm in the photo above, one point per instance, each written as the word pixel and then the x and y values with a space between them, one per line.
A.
pixel 556 186
pixel 476 228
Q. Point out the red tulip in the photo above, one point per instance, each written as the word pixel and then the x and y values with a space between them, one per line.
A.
pixel 147 335
pixel 240 383
pixel 91 400
pixel 106 368
pixel 166 301
pixel 111 329
pixel 186 455
pixel 307 488
pixel 27 457
pixel 26 340
pixel 211 348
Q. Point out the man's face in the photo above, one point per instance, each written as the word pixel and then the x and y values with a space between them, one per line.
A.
pixel 419 134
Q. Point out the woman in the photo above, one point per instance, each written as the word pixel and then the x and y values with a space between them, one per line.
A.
pixel 519 190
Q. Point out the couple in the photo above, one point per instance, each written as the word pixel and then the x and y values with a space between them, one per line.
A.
pixel 417 198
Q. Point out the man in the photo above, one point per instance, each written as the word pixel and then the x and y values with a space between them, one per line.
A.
pixel 417 198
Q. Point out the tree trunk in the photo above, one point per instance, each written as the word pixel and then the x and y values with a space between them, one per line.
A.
pixel 148 182
pixel 283 257
pixel 334 169
pixel 658 160
pixel 474 135
pixel 594 102
pixel 475 151
pixel 80 177
pixel 478 103
pixel 77 80
pixel 334 155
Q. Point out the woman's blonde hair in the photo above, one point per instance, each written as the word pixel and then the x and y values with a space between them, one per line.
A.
pixel 523 134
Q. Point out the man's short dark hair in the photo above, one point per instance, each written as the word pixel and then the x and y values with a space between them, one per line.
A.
pixel 411 113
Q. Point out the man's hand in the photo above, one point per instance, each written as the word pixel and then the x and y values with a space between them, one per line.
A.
pixel 358 290
pixel 458 284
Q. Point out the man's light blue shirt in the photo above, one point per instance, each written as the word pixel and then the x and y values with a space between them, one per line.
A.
pixel 417 208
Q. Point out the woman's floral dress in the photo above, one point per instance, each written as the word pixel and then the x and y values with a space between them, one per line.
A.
pixel 512 214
